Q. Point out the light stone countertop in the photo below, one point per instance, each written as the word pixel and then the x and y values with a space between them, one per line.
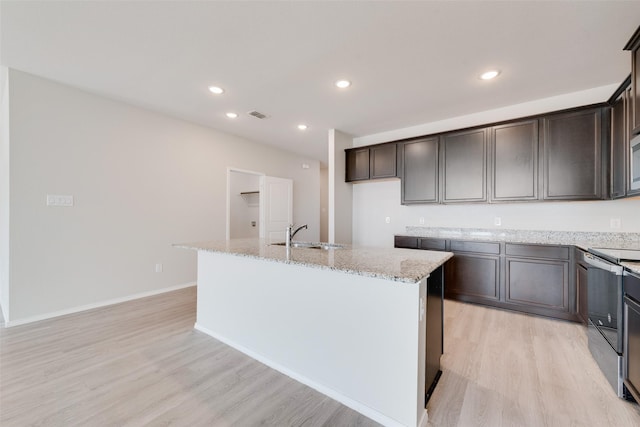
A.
pixel 401 265
pixel 581 239
pixel 634 267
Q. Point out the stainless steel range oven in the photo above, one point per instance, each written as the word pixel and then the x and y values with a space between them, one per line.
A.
pixel 632 334
pixel 606 312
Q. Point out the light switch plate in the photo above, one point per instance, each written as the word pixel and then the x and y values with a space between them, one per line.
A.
pixel 59 200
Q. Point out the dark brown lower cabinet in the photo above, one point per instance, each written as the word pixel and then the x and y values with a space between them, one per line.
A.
pixel 473 277
pixel 539 279
pixel 538 283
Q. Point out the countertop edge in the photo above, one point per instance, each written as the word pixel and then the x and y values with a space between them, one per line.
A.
pixel 581 239
pixel 433 264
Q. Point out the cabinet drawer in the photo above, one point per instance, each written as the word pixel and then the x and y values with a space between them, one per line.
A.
pixel 405 242
pixel 433 244
pixel 478 247
pixel 537 251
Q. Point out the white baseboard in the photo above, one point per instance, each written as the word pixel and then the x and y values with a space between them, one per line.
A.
pixel 353 404
pixel 51 315
pixel 424 420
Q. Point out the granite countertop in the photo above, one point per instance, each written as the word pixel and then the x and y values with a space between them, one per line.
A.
pixel 583 240
pixel 401 265
pixel 634 267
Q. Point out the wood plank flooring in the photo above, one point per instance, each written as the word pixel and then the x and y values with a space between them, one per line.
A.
pixel 508 369
pixel 141 363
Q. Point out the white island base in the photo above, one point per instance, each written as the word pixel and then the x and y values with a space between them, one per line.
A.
pixel 359 340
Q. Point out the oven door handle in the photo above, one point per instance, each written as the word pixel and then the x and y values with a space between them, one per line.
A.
pixel 603 265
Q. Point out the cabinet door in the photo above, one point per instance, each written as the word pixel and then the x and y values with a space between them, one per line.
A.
pixel 474 278
pixel 434 328
pixel 635 89
pixel 382 161
pixel 619 144
pixel 572 156
pixel 538 283
pixel 420 171
pixel 433 244
pixel 465 166
pixel 357 164
pixel 514 161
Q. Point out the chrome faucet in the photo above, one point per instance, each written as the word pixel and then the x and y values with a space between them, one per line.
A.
pixel 290 233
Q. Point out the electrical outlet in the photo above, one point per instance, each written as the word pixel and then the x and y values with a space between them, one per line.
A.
pixel 387 220
pixel 421 220
pixel 158 268
pixel 497 221
pixel 615 223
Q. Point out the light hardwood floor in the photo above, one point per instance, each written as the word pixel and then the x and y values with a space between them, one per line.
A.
pixel 508 369
pixel 141 363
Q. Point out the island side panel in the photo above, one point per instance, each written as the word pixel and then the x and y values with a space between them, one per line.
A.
pixel 357 339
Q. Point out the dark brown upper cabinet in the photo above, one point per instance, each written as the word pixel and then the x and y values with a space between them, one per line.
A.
pixel 382 159
pixel 572 155
pixel 464 166
pixel 373 162
pixel 357 164
pixel 419 171
pixel 514 161
pixel 620 128
pixel 634 46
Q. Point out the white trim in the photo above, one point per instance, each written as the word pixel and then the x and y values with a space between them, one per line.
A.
pixel 353 404
pixel 96 305
pixel 424 419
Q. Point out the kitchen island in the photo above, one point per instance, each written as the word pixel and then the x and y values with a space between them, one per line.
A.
pixel 348 322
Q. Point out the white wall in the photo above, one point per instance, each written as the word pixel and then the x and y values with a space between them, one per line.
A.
pixel 245 209
pixel 4 192
pixel 539 106
pixel 141 181
pixel 373 201
pixel 340 193
pixel 324 204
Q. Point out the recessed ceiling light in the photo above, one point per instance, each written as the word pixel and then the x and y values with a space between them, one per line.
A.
pixel 343 84
pixel 231 115
pixel 217 90
pixel 302 127
pixel 489 75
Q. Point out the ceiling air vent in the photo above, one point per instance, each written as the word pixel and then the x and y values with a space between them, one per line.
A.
pixel 257 114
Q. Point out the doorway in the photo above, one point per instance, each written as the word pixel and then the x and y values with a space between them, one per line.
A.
pixel 258 206
pixel 243 204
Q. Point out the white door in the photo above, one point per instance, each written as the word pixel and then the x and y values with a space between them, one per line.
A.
pixel 276 207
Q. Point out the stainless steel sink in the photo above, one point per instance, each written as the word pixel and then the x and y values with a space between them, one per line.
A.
pixel 328 246
pixel 309 245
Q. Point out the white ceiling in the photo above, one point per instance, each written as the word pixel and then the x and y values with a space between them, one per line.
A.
pixel 410 62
